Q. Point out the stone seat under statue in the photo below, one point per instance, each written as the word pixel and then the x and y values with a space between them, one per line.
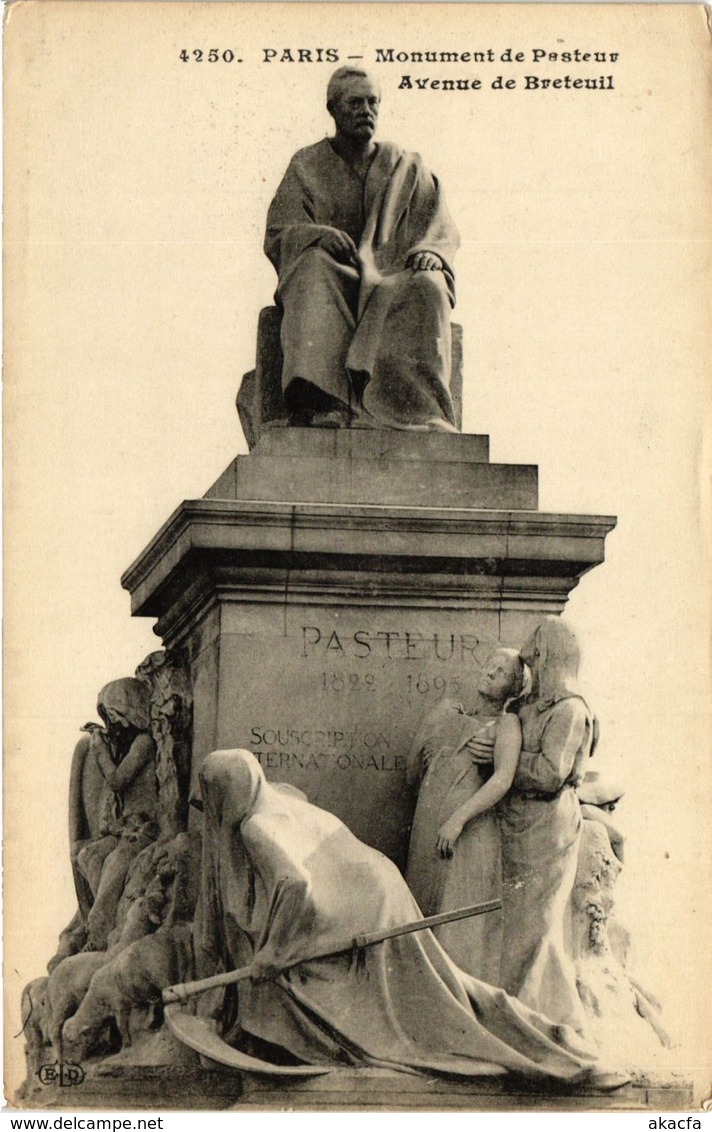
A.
pixel 259 398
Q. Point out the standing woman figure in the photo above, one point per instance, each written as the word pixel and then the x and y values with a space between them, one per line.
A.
pixel 454 853
pixel 541 828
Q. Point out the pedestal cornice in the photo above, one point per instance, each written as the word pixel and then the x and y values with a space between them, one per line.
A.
pixel 256 551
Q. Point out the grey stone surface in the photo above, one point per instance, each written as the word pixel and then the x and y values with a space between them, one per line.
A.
pixel 391 482
pixel 364 466
pixel 381 444
pixel 441 556
pixel 385 1090
pixel 171 1089
pixel 319 634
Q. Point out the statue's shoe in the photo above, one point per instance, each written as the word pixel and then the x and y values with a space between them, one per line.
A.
pixel 434 424
pixel 363 419
pixel 334 418
pixel 437 424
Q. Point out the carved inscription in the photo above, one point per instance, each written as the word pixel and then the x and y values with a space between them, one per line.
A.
pixel 292 748
pixel 389 644
pixel 328 760
pixel 352 679
pixel 419 683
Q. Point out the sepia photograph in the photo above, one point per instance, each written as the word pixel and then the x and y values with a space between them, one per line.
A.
pixel 357 557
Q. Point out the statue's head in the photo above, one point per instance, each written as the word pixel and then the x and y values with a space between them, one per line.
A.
pixel 552 652
pixel 503 676
pixel 231 783
pixel 352 99
pixel 125 705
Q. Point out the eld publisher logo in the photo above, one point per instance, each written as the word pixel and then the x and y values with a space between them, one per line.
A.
pixel 62 1073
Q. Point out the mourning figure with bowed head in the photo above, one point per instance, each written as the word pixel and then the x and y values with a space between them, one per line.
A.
pixel 121 756
pixel 363 245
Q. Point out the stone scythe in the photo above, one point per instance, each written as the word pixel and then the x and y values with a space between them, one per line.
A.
pixel 198 1035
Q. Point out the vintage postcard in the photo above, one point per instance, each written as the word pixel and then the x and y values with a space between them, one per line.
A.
pixel 418 630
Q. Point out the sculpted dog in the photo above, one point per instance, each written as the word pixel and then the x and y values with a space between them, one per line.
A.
pixel 69 981
pixel 133 978
pixel 33 1010
pixel 66 988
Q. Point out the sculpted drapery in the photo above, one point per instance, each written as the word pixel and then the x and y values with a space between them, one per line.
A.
pixel 283 879
pixel 113 803
pixel 374 335
pixel 541 830
pixel 448 777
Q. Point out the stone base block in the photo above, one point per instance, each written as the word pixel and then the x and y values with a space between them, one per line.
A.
pixel 362 466
pixel 382 1090
pixel 393 483
pixel 166 1089
pixel 378 444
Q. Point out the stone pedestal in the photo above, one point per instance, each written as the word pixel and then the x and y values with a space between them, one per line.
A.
pixel 380 1090
pixel 333 585
pixel 383 1090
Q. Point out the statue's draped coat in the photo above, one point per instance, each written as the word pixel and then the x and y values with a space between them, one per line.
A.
pixel 379 322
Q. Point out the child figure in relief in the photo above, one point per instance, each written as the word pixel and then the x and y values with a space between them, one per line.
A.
pixel 454 857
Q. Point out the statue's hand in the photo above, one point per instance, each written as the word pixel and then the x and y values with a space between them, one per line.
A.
pixel 98 741
pixel 481 749
pixel 447 836
pixel 425 261
pixel 340 247
pixel 427 753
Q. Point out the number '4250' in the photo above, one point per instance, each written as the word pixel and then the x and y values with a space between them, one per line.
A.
pixel 214 55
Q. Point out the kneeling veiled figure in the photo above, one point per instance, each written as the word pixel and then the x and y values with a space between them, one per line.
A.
pixel 284 880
